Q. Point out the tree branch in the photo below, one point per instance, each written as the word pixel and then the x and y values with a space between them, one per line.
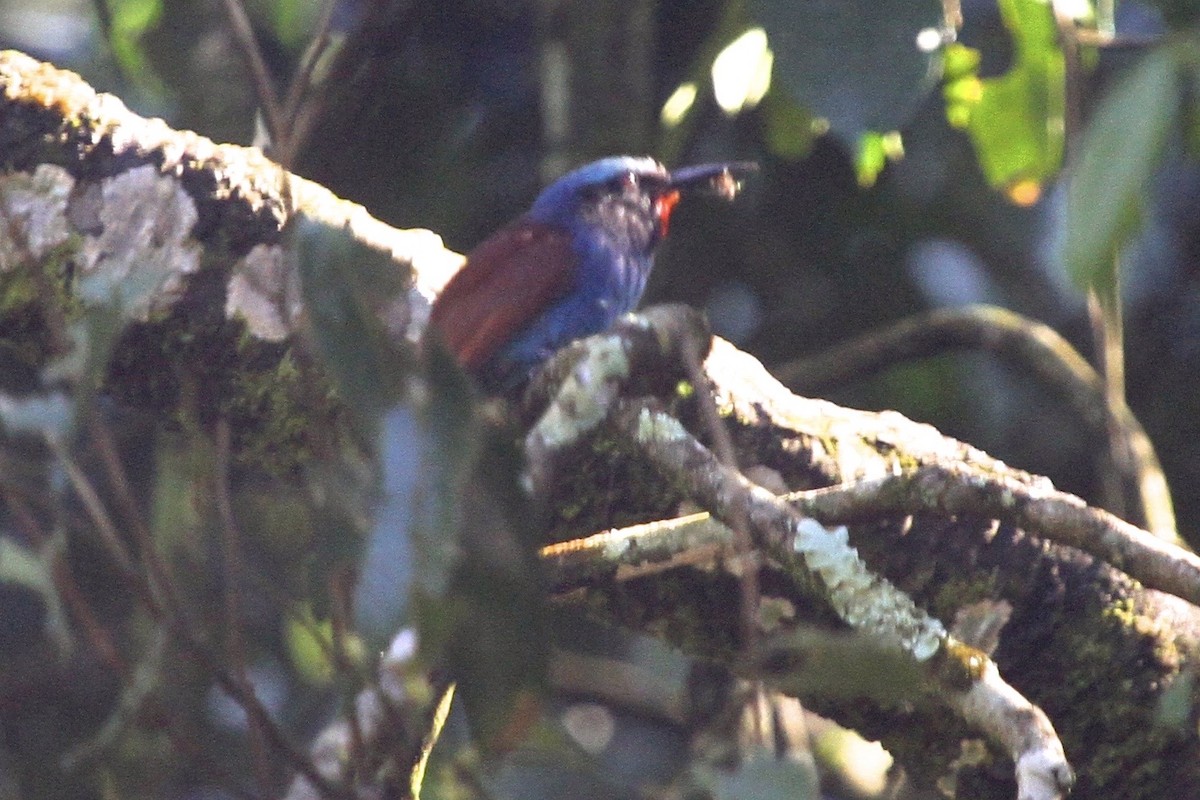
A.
pixel 1032 348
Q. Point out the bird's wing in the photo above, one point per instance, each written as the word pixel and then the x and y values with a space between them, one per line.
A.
pixel 508 280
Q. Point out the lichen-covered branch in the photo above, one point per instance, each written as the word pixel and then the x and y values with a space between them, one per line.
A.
pixel 956 489
pixel 104 212
pixel 860 597
pixel 1031 347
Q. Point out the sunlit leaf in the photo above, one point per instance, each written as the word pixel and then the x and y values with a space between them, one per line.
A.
pixel 1015 120
pixel 874 151
pixel 310 646
pixel 1121 147
pixel 29 603
pixel 741 72
pixel 856 63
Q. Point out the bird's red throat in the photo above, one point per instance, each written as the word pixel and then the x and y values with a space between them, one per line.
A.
pixel 663 207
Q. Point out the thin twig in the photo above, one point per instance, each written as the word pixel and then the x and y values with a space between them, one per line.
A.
pixel 300 109
pixel 64 582
pixel 109 536
pixel 232 565
pixel 243 35
pixel 161 603
pixel 1104 311
pixel 302 80
pixel 637 551
pixel 161 577
pixel 743 546
pixel 340 586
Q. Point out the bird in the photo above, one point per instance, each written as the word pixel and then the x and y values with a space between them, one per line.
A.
pixel 567 268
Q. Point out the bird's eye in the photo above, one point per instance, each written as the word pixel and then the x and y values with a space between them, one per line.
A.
pixel 624 183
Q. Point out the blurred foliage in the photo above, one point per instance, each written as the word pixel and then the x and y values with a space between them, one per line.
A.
pixel 764 778
pixel 878 196
pixel 860 77
pixel 1117 158
pixel 1015 119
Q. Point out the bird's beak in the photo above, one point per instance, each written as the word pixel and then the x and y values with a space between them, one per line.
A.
pixel 723 179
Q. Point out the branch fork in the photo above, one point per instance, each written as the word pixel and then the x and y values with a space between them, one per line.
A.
pixel 819 556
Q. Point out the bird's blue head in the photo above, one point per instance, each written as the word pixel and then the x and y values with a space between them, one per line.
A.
pixel 616 175
pixel 624 203
pixel 632 195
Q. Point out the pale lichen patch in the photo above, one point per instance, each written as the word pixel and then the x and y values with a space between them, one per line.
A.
pixel 659 427
pixel 586 395
pixel 864 600
pixel 264 292
pixel 144 247
pixel 33 214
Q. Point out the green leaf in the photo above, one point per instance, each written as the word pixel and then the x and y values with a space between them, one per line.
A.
pixel 854 62
pixel 790 129
pixel 839 665
pixel 294 20
pixel 93 335
pixel 343 280
pixel 498 638
pixel 1175 703
pixel 452 553
pixel 498 653
pixel 129 20
pixel 310 645
pixel 1119 151
pixel 177 520
pixel 874 151
pixel 386 572
pixel 1015 120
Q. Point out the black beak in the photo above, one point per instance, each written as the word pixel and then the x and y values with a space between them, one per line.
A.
pixel 723 179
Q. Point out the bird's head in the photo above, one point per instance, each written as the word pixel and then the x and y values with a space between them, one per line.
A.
pixel 630 195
